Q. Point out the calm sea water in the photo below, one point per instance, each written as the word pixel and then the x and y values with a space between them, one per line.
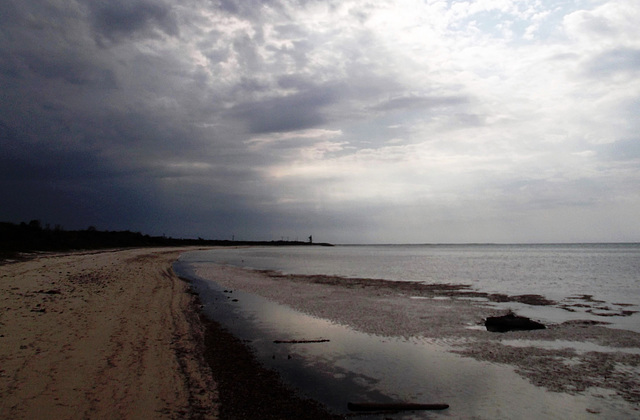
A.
pixel 355 366
pixel 608 272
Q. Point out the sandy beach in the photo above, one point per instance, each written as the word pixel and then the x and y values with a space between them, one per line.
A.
pixel 116 334
pixel 101 335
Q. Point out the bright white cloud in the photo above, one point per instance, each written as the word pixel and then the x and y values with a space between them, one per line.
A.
pixel 486 111
pixel 534 108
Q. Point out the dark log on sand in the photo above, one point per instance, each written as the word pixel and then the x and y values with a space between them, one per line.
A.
pixel 367 406
pixel 300 341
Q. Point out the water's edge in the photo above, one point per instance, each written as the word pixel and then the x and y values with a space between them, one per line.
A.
pixel 353 366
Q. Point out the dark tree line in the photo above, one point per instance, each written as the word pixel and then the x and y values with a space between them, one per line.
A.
pixel 32 236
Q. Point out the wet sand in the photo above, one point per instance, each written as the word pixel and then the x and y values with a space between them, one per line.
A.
pixel 116 334
pixel 577 358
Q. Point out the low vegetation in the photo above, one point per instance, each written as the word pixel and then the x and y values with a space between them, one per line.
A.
pixel 32 237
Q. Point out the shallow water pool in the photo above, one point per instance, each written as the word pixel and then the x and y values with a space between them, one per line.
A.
pixel 356 367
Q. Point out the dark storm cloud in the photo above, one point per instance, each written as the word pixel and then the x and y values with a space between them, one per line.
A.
pixel 81 203
pixel 47 40
pixel 70 67
pixel 38 164
pixel 212 117
pixel 115 19
pixel 287 113
pixel 83 140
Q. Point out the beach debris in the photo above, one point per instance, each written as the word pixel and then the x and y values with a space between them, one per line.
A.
pixel 535 300
pixel 511 322
pixel 322 340
pixel 590 305
pixel 397 406
pixel 50 292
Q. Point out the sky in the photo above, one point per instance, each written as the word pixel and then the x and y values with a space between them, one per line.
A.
pixel 433 121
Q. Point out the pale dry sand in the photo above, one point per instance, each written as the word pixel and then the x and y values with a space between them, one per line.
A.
pixel 101 335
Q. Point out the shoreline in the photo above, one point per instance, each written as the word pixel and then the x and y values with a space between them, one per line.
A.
pixel 248 390
pixel 580 359
pixel 117 334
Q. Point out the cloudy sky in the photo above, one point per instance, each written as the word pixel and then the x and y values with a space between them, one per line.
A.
pixel 352 121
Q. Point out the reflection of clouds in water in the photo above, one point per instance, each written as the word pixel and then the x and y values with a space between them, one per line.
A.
pixel 358 366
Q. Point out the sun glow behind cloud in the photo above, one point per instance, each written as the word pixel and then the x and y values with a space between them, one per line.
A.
pixel 410 120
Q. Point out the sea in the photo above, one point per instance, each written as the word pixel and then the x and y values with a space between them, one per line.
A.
pixel 597 281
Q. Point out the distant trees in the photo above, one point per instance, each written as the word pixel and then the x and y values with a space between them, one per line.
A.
pixel 31 236
pixel 35 224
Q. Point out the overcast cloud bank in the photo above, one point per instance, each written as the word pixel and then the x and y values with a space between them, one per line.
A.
pixel 410 121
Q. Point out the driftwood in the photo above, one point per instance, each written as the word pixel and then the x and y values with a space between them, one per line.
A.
pixel 368 406
pixel 300 341
pixel 511 322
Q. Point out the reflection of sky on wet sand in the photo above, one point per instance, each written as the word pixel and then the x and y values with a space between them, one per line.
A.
pixel 355 366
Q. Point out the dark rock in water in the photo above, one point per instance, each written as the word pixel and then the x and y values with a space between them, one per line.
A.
pixel 511 322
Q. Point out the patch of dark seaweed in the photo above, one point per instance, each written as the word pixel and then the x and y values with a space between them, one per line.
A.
pixel 584 323
pixel 609 312
pixel 414 288
pixel 596 307
pixel 586 298
pixel 565 370
pixel 352 282
pixel 578 305
pixel 535 300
